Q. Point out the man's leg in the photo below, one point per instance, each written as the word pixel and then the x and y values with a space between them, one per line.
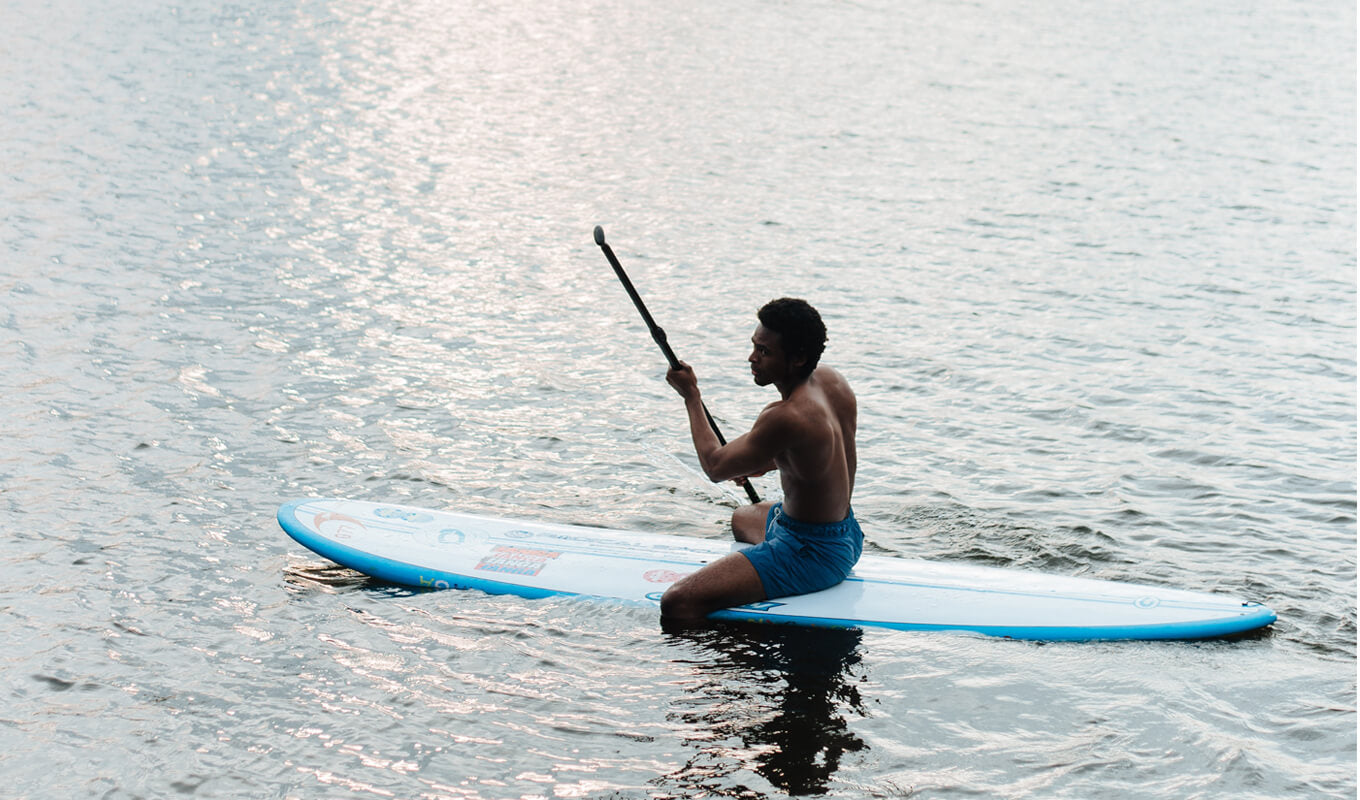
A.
pixel 729 581
pixel 748 523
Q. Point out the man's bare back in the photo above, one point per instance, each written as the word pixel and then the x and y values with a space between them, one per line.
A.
pixel 817 470
pixel 808 435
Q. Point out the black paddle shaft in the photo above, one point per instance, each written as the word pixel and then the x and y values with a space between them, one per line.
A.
pixel 659 336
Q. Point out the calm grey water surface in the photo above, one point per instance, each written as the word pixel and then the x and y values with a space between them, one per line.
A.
pixel 1090 266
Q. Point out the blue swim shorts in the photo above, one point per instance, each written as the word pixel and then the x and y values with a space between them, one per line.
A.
pixel 802 557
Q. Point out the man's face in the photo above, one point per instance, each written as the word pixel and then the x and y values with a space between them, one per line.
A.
pixel 769 363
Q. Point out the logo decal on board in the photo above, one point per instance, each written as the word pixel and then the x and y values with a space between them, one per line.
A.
pixel 764 605
pixel 662 576
pixel 516 560
pixel 403 514
pixel 340 525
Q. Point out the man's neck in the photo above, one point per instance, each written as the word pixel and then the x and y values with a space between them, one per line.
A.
pixel 786 390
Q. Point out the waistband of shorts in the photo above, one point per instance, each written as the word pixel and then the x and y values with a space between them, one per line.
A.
pixel 816 529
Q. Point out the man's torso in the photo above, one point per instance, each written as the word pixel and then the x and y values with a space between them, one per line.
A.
pixel 818 469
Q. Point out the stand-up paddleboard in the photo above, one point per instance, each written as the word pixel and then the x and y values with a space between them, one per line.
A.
pixel 436 549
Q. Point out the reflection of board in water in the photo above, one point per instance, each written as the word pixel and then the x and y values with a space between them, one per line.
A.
pixel 323 577
pixel 786 693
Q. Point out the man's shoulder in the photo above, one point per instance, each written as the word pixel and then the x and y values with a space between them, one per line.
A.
pixel 787 418
pixel 822 395
pixel 833 385
pixel 830 375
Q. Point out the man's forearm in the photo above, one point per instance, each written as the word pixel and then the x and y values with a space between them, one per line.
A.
pixel 705 440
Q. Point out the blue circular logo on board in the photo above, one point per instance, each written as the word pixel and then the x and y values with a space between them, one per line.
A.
pixel 403 515
pixel 1147 602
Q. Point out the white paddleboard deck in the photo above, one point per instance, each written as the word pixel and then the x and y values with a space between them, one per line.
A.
pixel 436 549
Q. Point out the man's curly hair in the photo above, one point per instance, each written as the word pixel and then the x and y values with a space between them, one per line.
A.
pixel 800 329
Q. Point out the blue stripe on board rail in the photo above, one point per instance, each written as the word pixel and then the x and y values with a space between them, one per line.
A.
pixel 1258 617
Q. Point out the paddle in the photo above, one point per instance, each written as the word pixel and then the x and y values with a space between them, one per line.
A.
pixel 659 336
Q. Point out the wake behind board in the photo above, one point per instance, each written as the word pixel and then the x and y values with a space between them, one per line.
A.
pixel 436 549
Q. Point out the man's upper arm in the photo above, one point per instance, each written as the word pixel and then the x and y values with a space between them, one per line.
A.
pixel 754 451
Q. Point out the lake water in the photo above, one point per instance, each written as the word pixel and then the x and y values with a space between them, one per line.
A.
pixel 1091 267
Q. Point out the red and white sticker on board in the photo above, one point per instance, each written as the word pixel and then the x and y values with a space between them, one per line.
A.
pixel 662 576
pixel 516 560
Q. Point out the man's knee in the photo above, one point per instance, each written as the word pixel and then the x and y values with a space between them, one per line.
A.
pixel 748 523
pixel 728 582
pixel 677 604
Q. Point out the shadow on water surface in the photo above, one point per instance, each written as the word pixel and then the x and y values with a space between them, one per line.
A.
pixel 774 699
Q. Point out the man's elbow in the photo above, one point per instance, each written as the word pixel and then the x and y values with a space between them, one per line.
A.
pixel 714 471
pixel 719 473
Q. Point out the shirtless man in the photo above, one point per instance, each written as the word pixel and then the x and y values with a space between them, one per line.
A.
pixel 811 540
